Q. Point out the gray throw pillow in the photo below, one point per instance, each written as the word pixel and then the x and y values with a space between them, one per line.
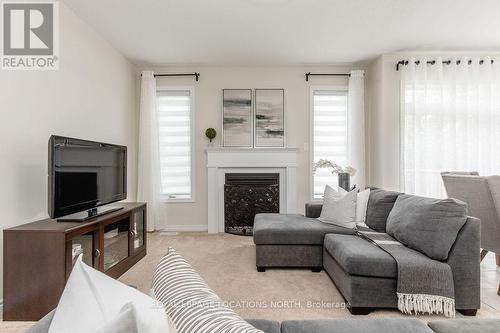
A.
pixel 427 225
pixel 379 206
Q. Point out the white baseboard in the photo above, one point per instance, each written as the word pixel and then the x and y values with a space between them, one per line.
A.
pixel 185 228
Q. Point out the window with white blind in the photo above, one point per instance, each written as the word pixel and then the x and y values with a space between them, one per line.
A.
pixel 175 118
pixel 329 134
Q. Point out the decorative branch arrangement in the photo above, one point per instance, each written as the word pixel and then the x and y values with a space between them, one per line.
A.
pixel 336 169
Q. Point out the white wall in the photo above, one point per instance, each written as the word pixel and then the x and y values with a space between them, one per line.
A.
pixel 208 104
pixel 383 125
pixel 91 96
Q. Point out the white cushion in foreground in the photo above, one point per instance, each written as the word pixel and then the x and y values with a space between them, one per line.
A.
pixel 94 302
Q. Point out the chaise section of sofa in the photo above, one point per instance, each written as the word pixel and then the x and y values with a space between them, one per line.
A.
pixel 291 240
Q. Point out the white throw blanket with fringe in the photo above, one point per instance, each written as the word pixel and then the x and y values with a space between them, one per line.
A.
pixel 424 285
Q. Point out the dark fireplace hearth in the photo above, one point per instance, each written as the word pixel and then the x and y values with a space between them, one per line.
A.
pixel 247 194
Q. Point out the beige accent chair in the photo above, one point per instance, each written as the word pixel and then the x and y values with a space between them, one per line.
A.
pixel 482 195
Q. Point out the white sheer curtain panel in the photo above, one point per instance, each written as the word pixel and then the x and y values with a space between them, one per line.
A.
pixel 356 130
pixel 450 120
pixel 149 176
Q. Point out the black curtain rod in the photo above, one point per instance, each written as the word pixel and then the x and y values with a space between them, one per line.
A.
pixel 324 74
pixel 433 62
pixel 196 75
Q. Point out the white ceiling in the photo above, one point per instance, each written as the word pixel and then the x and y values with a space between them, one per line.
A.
pixel 288 31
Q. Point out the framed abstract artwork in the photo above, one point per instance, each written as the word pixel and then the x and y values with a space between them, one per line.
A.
pixel 269 129
pixel 237 117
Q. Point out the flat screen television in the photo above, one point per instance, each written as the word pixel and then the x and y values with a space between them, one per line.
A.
pixel 84 175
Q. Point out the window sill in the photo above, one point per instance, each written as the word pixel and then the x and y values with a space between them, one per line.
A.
pixel 180 200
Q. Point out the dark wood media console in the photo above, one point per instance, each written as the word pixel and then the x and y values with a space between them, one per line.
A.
pixel 38 256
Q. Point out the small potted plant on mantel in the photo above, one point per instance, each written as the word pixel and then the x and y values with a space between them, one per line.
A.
pixel 344 173
pixel 210 133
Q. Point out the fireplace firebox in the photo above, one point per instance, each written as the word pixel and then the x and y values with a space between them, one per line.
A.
pixel 248 194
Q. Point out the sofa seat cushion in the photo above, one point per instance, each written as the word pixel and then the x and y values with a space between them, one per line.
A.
pixel 355 326
pixel 292 229
pixel 360 257
pixel 466 326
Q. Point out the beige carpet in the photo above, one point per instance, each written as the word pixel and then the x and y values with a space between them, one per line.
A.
pixel 227 263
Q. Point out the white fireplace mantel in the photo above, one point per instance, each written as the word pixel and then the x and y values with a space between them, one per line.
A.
pixel 247 160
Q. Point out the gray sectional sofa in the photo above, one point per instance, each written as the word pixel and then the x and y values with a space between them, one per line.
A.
pixel 350 326
pixel 365 274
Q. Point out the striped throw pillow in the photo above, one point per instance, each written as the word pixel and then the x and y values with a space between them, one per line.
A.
pixel 190 304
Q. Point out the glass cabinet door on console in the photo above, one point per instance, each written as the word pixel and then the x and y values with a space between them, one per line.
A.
pixel 138 230
pixel 116 242
pixel 85 244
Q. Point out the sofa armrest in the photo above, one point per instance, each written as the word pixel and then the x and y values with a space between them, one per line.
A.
pixel 313 209
pixel 464 260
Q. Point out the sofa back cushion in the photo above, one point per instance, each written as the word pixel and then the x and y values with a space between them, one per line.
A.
pixel 379 206
pixel 427 225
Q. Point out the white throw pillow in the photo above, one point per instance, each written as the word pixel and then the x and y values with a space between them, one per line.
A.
pixel 361 205
pixel 338 208
pixel 94 302
pixel 125 321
